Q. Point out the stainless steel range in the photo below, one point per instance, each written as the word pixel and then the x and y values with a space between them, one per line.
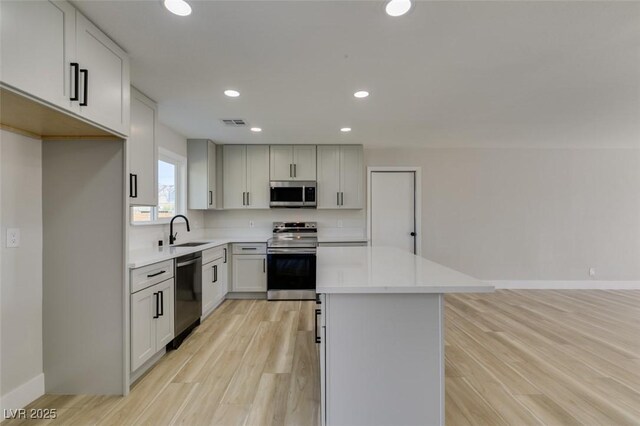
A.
pixel 291 260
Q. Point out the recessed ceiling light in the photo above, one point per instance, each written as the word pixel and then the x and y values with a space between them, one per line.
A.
pixel 178 7
pixel 345 129
pixel 361 94
pixel 398 7
pixel 232 93
pixel 256 129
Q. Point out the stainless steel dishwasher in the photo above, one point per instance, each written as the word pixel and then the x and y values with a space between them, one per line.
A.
pixel 188 296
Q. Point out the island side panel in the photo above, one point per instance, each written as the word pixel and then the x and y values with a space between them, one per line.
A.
pixel 384 359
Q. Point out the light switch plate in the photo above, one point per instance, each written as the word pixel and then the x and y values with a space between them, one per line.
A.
pixel 13 237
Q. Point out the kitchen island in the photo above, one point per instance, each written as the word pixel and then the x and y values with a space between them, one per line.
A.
pixel 380 327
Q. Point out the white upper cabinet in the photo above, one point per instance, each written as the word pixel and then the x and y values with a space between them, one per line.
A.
pixel 202 171
pixel 37 47
pixel 51 52
pixel 142 151
pixel 340 177
pixel 293 162
pixel 104 77
pixel 246 176
pixel 257 177
pixel 235 176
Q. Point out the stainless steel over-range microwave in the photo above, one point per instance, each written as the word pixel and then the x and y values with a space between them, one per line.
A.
pixel 293 194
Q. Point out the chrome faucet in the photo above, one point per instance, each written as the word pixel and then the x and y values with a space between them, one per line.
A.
pixel 172 236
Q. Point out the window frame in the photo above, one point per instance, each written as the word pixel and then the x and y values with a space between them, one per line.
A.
pixel 180 163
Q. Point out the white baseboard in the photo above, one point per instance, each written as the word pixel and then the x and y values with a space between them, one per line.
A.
pixel 565 285
pixel 24 394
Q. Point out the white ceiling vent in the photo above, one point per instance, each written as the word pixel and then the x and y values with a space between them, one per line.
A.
pixel 234 122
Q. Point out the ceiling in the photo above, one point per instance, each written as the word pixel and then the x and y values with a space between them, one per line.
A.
pixel 449 73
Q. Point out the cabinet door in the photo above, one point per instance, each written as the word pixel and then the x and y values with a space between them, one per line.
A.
pixel 143 327
pixel 281 162
pixel 208 287
pixel 164 322
pixel 142 151
pixel 37 40
pixel 258 176
pixel 351 177
pixel 104 87
pixel 222 285
pixel 250 273
pixel 211 172
pixel 328 176
pixel 235 176
pixel 304 160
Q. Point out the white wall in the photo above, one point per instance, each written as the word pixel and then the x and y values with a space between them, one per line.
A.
pixel 330 222
pixel 21 207
pixel 148 235
pixel 528 214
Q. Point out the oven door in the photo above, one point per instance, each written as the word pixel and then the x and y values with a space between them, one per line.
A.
pixel 291 273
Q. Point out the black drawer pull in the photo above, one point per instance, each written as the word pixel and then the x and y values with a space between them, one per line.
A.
pixel 156 274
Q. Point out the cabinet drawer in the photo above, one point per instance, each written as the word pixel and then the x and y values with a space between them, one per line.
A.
pixel 146 276
pixel 249 248
pixel 214 254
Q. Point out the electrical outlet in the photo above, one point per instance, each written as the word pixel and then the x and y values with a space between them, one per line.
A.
pixel 592 272
pixel 13 237
pixel 251 224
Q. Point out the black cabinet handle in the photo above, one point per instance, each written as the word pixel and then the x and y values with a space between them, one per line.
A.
pixel 157 297
pixel 290 170
pixel 249 248
pixel 215 273
pixel 156 274
pixel 248 199
pixel 133 185
pixel 295 170
pixel 244 198
pixel 318 301
pixel 225 255
pixel 264 265
pixel 318 312
pixel 161 293
pixel 210 197
pixel 337 198
pixel 75 69
pixel 342 198
pixel 85 87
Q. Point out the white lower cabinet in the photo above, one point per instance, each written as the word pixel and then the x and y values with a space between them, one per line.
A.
pixel 152 311
pixel 214 284
pixel 249 273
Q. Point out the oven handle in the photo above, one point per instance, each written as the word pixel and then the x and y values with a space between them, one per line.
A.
pixel 290 251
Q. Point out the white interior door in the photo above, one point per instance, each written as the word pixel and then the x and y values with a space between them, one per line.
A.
pixel 393 210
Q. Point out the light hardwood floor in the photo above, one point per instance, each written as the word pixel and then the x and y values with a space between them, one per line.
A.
pixel 513 357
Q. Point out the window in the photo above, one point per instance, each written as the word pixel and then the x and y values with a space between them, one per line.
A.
pixel 171 191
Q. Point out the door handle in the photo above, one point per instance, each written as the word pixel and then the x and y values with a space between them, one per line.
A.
pixel 318 312
pixel 85 87
pixel 157 297
pixel 161 293
pixel 75 69
pixel 210 197
pixel 215 273
pixel 133 185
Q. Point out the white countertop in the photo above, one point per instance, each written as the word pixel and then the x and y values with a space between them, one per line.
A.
pixel 388 270
pixel 148 256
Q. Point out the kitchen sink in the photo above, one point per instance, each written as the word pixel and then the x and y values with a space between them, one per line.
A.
pixel 192 244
